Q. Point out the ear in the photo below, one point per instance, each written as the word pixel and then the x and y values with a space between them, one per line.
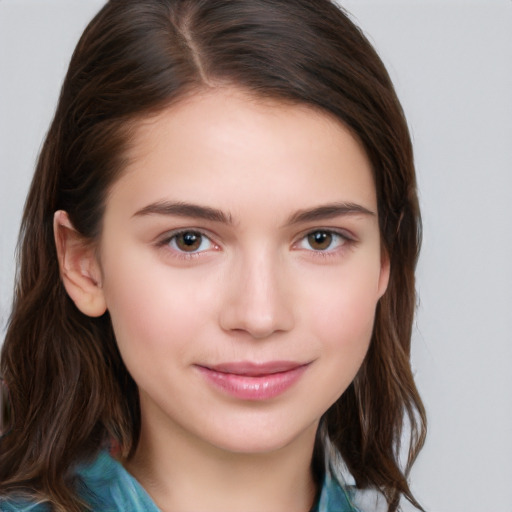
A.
pixel 79 267
pixel 385 267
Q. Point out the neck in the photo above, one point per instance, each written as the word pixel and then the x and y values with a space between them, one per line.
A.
pixel 184 474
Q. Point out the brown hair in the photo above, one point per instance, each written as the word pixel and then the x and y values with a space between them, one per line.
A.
pixel 68 388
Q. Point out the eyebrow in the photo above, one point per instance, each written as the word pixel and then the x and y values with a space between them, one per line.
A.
pixel 181 209
pixel 328 211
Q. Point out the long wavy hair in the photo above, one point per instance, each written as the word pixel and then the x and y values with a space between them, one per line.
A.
pixel 68 388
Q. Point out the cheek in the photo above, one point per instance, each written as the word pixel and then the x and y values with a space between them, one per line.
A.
pixel 154 313
pixel 344 311
pixel 342 320
pixel 345 329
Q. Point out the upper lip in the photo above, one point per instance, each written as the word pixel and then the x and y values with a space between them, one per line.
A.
pixel 252 369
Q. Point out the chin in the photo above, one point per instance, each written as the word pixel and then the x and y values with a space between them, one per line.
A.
pixel 264 440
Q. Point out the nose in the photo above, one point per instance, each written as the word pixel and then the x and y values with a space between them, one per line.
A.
pixel 258 298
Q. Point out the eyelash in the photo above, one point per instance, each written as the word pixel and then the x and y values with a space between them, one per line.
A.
pixel 170 240
pixel 344 241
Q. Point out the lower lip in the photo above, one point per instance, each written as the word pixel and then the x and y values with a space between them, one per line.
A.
pixel 245 387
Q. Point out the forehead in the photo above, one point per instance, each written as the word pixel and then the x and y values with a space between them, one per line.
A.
pixel 225 142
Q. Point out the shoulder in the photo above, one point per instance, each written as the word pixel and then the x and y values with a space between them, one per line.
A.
pixel 340 494
pixel 103 483
pixel 108 487
pixel 21 505
pixel 334 496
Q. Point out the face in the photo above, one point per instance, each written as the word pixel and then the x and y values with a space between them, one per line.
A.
pixel 241 265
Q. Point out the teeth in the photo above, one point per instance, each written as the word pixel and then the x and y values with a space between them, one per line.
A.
pixel 257 386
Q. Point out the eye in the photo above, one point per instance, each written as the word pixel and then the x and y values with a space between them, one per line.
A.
pixel 322 240
pixel 189 242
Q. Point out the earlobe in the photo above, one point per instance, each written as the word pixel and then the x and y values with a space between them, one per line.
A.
pixel 79 268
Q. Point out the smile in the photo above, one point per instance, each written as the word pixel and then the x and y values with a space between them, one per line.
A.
pixel 250 381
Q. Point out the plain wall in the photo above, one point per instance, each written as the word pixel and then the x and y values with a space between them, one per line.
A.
pixel 451 62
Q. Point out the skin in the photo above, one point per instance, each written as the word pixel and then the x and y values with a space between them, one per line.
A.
pixel 253 288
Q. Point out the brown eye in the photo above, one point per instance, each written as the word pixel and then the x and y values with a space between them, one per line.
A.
pixel 320 240
pixel 190 241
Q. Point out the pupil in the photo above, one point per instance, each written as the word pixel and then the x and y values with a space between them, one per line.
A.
pixel 320 240
pixel 189 241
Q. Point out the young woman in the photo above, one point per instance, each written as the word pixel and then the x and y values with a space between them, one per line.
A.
pixel 216 282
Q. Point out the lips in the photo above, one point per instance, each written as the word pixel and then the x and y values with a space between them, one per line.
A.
pixel 255 369
pixel 253 381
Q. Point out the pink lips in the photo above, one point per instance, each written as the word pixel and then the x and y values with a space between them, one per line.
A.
pixel 251 381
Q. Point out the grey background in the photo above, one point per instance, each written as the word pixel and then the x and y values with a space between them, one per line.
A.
pixel 451 62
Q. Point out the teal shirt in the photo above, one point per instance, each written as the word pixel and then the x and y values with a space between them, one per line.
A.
pixel 113 489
